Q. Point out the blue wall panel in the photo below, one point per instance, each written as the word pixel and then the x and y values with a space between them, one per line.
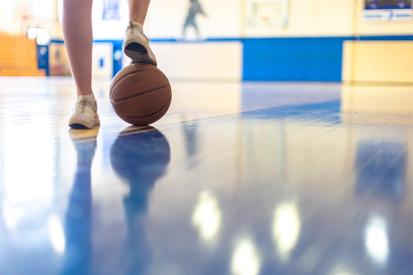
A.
pixel 292 59
pixel 282 58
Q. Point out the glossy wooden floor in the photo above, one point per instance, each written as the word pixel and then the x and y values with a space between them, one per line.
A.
pixel 236 179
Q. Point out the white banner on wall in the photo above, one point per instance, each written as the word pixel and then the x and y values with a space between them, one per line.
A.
pixel 388 10
pixel 111 10
pixel 267 13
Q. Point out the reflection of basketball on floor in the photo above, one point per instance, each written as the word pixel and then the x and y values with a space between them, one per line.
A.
pixel 141 158
pixel 140 94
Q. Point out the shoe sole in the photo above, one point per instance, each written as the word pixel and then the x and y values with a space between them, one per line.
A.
pixel 135 47
pixel 138 53
pixel 78 126
pixel 84 125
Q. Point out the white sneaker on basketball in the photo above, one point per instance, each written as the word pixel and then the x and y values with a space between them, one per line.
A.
pixel 136 45
pixel 85 115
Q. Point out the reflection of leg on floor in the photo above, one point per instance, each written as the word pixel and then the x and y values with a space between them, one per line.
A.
pixel 190 133
pixel 78 224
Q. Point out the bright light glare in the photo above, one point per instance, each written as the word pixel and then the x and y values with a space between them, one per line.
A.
pixel 12 215
pixel 207 216
pixel 43 37
pixel 245 260
pixel 56 234
pixel 376 239
pixel 286 228
pixel 32 33
pixel 28 171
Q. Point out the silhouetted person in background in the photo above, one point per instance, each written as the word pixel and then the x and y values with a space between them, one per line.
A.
pixel 195 9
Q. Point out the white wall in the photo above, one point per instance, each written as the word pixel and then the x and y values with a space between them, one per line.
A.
pixel 313 18
pixel 204 61
pixel 8 17
pixel 225 19
pixel 165 19
pixel 330 18
pixel 42 13
pixel 378 61
pixel 228 19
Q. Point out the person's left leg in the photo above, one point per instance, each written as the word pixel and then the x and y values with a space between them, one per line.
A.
pixel 77 29
pixel 136 44
pixel 185 27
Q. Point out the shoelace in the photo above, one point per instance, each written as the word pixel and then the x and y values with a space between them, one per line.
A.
pixel 81 106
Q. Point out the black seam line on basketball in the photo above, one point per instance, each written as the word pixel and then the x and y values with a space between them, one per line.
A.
pixel 142 93
pixel 114 85
pixel 151 114
pixel 143 70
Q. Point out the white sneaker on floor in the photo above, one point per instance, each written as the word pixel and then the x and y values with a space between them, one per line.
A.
pixel 85 115
pixel 136 45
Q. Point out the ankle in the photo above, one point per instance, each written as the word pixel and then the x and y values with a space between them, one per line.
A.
pixel 88 97
pixel 136 24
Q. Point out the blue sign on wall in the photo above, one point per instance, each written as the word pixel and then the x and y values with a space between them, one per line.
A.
pixel 388 4
pixel 388 10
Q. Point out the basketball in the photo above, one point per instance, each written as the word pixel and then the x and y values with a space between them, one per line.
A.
pixel 140 94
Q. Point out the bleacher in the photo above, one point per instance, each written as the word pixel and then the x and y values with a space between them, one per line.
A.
pixel 18 56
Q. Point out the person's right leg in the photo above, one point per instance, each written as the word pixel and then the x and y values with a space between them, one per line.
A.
pixel 77 29
pixel 136 45
pixel 138 10
pixel 195 25
pixel 185 28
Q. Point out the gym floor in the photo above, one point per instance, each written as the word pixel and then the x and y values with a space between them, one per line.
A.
pixel 245 179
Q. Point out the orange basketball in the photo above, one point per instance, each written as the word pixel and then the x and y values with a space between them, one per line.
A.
pixel 140 94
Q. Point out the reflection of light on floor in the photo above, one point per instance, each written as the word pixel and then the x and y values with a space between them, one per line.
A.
pixel 207 216
pixel 286 228
pixel 342 270
pixel 12 215
pixel 377 99
pixel 28 171
pixel 376 240
pixel 56 234
pixel 245 260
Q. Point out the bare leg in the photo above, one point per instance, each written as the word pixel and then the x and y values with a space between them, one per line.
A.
pixel 138 10
pixel 77 29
